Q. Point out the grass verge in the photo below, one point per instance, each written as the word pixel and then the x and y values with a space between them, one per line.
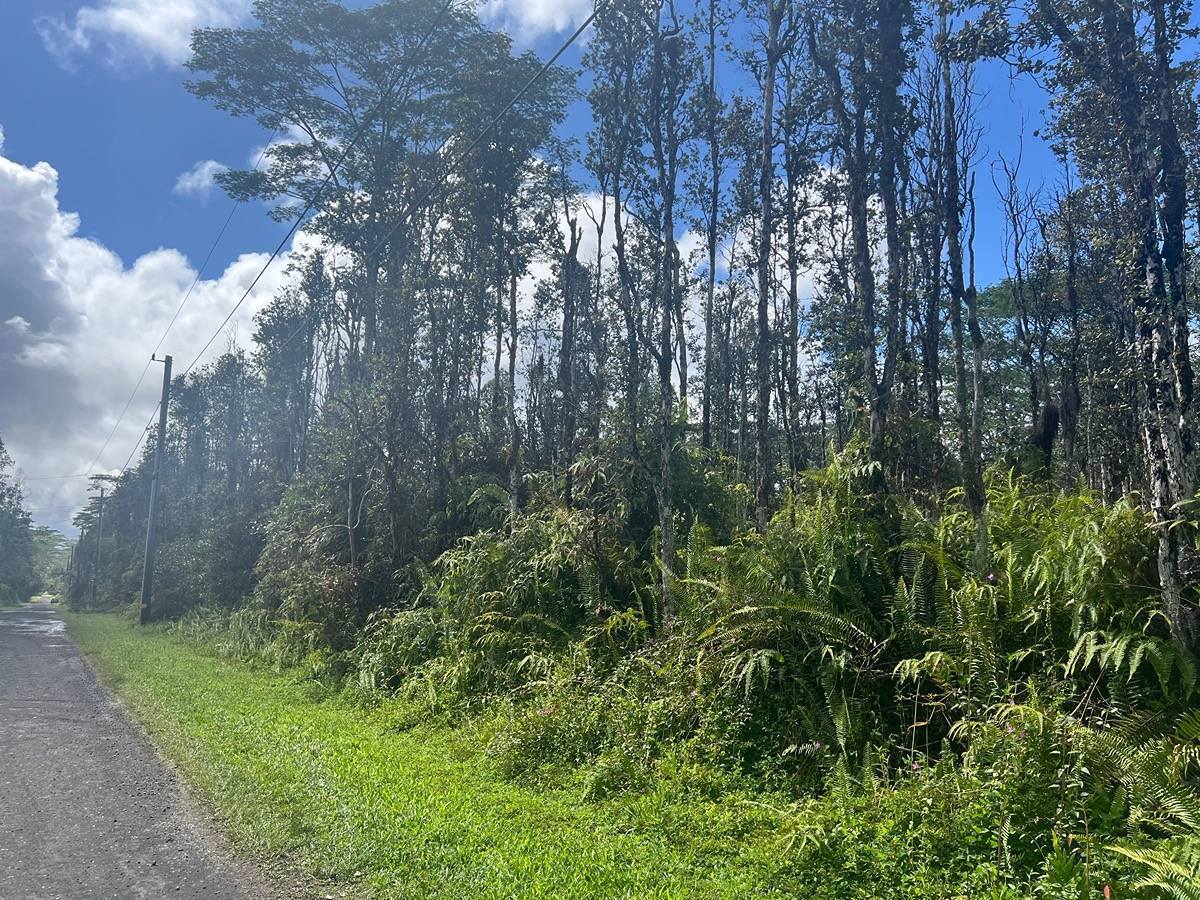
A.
pixel 343 794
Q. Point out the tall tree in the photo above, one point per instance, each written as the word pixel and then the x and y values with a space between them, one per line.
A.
pixel 1103 56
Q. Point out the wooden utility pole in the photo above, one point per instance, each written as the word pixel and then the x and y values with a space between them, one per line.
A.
pixel 77 579
pixel 69 574
pixel 152 517
pixel 99 538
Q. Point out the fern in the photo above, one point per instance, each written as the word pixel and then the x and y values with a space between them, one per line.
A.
pixel 1171 870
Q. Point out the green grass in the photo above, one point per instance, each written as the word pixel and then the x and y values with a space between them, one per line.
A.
pixel 343 794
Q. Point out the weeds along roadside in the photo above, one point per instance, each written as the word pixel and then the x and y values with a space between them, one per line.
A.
pixel 1041 699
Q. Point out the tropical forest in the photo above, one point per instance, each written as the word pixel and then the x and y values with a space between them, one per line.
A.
pixel 695 464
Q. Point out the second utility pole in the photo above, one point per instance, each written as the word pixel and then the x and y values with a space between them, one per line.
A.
pixel 152 518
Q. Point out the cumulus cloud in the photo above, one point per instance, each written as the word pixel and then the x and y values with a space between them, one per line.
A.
pixel 159 31
pixel 528 20
pixel 199 180
pixel 76 326
pixel 140 30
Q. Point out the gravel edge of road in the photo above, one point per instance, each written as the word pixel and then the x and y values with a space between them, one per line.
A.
pixel 264 877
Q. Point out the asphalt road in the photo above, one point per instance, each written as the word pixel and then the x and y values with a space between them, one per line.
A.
pixel 87 808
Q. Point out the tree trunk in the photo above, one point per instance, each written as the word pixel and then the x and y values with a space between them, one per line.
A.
pixel 714 199
pixel 969 423
pixel 762 346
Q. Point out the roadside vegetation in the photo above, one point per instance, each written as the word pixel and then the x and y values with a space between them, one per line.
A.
pixel 618 483
pixel 32 558
pixel 813 725
pixel 365 795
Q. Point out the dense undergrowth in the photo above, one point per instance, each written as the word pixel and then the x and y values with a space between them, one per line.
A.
pixel 939 725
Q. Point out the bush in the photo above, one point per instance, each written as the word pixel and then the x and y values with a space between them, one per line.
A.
pixel 941 832
pixel 1017 726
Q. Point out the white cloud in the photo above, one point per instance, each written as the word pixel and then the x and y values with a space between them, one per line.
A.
pixel 293 134
pixel 198 181
pixel 19 324
pixel 149 31
pixel 529 19
pixel 142 30
pixel 79 326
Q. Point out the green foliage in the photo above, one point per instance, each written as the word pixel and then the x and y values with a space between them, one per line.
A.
pixel 957 691
pixel 341 792
pixel 813 659
pixel 50 554
pixel 1024 729
pixel 18 576
pixel 1170 870
pixel 936 833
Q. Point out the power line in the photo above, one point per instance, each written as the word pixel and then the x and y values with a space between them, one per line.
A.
pixel 192 287
pixel 121 417
pixel 479 138
pixel 333 171
pixel 439 183
pixel 138 442
pixel 270 259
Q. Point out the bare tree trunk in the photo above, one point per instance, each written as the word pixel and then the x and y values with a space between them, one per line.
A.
pixel 850 119
pixel 597 324
pixel 890 73
pixel 1171 357
pixel 1070 399
pixel 766 184
pixel 630 313
pixel 514 429
pixel 565 440
pixel 714 200
pixel 969 424
pixel 1159 312
pixel 796 456
pixel 665 142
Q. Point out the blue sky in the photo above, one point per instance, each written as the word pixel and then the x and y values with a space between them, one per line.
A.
pixel 120 132
pixel 99 246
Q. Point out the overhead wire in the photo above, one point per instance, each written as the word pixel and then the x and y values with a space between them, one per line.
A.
pixel 479 138
pixel 178 310
pixel 439 182
pixel 291 231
